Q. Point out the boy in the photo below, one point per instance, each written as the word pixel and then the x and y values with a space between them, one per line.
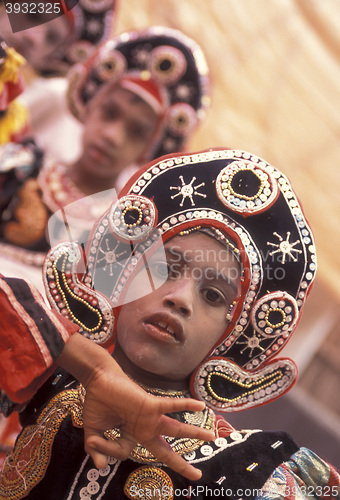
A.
pixel 206 314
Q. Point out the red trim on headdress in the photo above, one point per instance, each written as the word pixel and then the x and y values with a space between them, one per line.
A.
pixel 69 16
pixel 148 90
pixel 155 96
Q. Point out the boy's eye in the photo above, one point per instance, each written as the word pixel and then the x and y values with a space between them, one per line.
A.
pixel 110 112
pixel 137 132
pixel 214 296
pixel 53 37
pixel 161 269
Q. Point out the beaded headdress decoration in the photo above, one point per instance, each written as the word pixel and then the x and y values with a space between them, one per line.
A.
pixel 91 22
pixel 244 200
pixel 170 59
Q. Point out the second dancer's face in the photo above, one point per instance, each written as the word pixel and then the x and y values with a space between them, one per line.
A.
pixel 36 44
pixel 118 129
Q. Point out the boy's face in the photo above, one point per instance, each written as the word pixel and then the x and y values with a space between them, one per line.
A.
pixel 118 127
pixel 163 336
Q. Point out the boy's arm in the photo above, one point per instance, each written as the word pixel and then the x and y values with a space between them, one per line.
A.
pixel 114 400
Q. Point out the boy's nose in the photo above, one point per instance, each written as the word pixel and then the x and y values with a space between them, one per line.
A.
pixel 180 297
pixel 114 133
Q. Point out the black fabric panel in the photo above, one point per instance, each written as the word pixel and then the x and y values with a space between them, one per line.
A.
pixel 234 462
pixel 225 474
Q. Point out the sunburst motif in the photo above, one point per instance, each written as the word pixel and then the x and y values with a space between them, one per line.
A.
pixel 110 257
pixel 251 343
pixel 187 191
pixel 285 247
pixel 184 92
pixel 142 56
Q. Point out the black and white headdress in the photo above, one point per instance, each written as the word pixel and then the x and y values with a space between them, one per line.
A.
pixel 243 199
pixel 168 58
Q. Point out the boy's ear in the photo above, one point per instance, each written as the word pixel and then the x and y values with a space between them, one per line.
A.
pixel 226 387
pixel 70 292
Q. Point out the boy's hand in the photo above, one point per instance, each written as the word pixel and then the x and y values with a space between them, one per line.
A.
pixel 113 400
pixel 116 401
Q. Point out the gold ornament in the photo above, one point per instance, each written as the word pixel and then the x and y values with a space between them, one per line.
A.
pixel 149 482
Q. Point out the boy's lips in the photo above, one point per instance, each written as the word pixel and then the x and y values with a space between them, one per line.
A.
pixel 165 324
pixel 100 153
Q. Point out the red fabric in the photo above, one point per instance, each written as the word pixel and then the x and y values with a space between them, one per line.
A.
pixel 148 85
pixel 23 367
pixel 19 135
pixel 222 427
pixel 10 91
pixel 333 481
pixel 10 428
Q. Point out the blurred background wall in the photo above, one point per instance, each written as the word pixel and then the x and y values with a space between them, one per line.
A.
pixel 276 93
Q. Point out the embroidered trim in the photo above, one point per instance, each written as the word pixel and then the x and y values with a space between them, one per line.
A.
pixel 208 451
pixel 22 255
pixel 59 190
pixel 27 464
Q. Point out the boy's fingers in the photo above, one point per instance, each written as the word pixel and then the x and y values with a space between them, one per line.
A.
pixel 100 460
pixel 173 428
pixel 169 405
pixel 98 447
pixel 163 452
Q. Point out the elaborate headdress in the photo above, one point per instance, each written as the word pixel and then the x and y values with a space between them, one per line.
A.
pixel 91 22
pixel 243 200
pixel 174 64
